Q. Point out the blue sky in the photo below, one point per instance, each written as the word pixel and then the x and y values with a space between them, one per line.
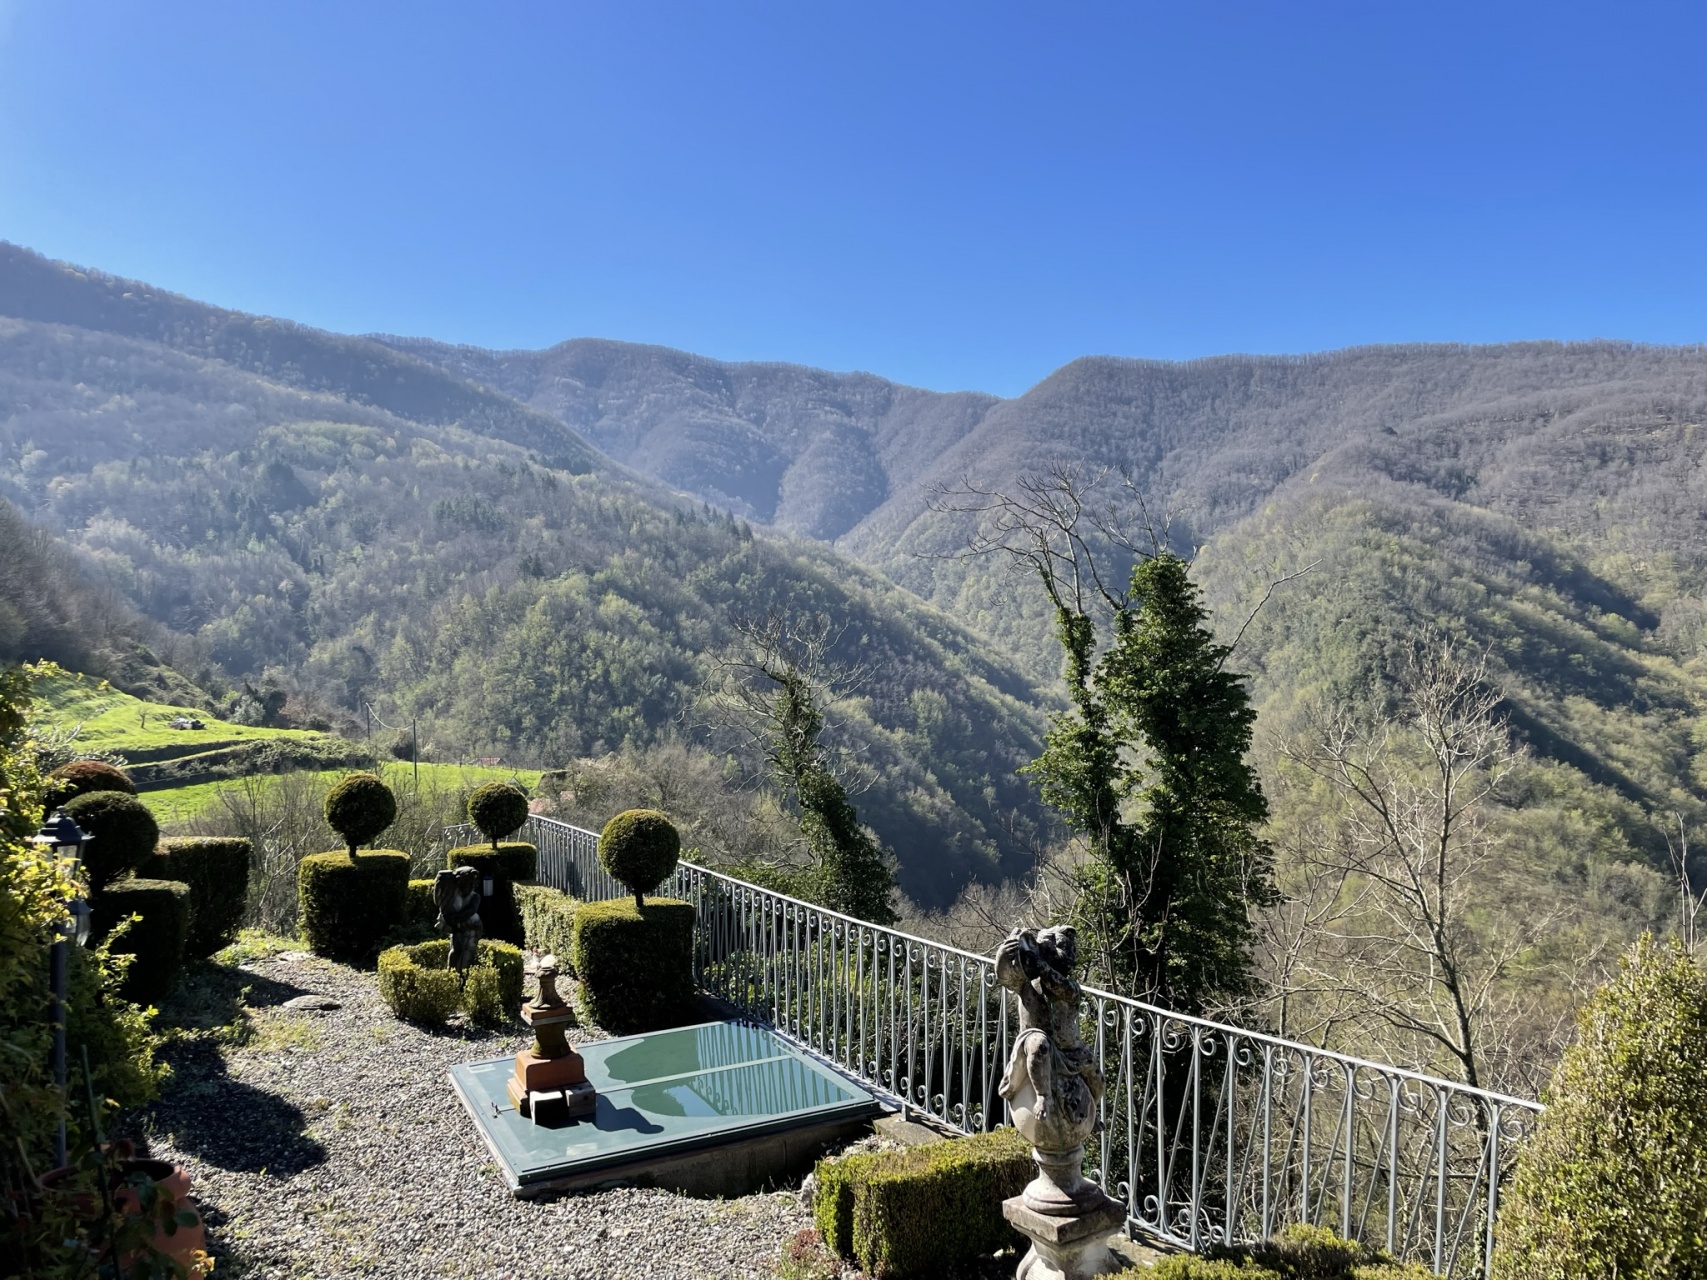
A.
pixel 955 195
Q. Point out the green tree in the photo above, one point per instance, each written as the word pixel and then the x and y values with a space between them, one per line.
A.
pixel 1147 765
pixel 1613 1184
pixel 773 691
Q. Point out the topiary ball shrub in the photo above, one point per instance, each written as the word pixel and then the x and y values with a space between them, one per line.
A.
pixel 1613 1181
pixel 498 809
pixel 216 868
pixel 635 963
pixel 359 808
pixel 418 986
pixel 155 940
pixel 80 777
pixel 348 905
pixel 922 1210
pixel 506 864
pixel 639 848
pixel 122 835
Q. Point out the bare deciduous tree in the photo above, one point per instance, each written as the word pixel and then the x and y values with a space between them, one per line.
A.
pixel 1408 924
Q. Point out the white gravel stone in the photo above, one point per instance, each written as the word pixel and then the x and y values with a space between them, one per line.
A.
pixel 333 1146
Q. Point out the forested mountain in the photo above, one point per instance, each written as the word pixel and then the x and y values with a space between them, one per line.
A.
pixel 526 604
pixel 804 450
pixel 392 522
pixel 50 609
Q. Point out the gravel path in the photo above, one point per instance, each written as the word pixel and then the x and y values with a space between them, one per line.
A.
pixel 330 1145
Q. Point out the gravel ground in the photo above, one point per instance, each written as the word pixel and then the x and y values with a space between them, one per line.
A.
pixel 330 1144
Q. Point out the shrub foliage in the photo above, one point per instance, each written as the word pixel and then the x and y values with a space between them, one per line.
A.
pixel 1614 1181
pixel 359 808
pixel 80 777
pixel 498 809
pixel 349 904
pixel 122 835
pixel 154 940
pixel 216 868
pixel 635 962
pixel 548 919
pixel 639 847
pixel 925 1209
pixel 419 987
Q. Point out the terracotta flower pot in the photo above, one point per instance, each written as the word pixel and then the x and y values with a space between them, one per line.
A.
pixel 181 1245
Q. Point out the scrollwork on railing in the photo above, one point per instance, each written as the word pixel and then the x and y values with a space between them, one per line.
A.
pixel 1210 1133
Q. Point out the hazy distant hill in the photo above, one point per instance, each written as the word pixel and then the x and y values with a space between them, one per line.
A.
pixel 805 450
pixel 522 603
pixel 1544 499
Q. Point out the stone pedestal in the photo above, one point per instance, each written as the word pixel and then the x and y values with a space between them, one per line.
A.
pixel 551 1075
pixel 1067 1246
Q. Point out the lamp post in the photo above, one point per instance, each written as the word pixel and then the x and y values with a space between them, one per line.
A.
pixel 61 834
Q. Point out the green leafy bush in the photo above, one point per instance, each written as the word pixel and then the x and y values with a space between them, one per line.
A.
pixel 216 868
pixel 33 893
pixel 155 940
pixel 80 777
pixel 548 919
pixel 349 904
pixel 1613 1183
pixel 415 982
pixel 498 809
pixel 919 1211
pixel 635 962
pixel 639 847
pixel 1298 1252
pixel 505 863
pixel 122 834
pixel 420 911
pixel 359 808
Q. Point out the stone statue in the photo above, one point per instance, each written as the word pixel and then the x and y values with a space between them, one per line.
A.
pixel 457 896
pixel 1053 1088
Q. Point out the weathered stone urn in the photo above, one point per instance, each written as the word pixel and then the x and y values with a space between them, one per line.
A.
pixel 1053 1089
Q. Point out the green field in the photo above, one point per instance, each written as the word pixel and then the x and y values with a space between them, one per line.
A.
pixel 107 720
pixel 114 721
pixel 177 804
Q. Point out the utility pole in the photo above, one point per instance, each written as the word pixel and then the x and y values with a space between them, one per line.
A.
pixel 415 751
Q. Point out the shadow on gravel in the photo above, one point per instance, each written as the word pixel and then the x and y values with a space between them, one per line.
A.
pixel 230 1124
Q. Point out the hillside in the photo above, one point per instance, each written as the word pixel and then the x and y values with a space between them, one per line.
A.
pixel 808 451
pixel 165 750
pixel 521 604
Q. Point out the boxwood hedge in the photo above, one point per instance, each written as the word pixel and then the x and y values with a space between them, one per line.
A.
pixel 548 920
pixel 155 939
pixel 920 1211
pixel 634 962
pixel 348 905
pixel 416 983
pixel 216 868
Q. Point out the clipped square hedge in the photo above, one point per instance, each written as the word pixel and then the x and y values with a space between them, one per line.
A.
pixel 510 862
pixel 917 1211
pixel 347 907
pixel 155 938
pixel 216 868
pixel 548 919
pixel 635 964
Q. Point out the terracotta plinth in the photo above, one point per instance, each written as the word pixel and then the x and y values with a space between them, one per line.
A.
pixel 551 1072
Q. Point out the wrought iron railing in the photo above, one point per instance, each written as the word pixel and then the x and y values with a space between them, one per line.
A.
pixel 1210 1133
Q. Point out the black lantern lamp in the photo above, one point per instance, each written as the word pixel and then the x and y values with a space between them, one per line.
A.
pixel 61 834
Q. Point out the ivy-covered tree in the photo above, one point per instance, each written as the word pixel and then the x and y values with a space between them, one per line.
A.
pixel 1147 765
pixel 774 691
